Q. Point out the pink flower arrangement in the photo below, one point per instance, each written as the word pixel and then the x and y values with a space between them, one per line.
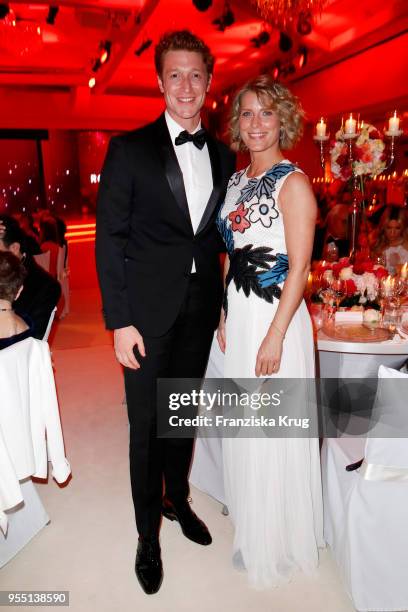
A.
pixel 368 154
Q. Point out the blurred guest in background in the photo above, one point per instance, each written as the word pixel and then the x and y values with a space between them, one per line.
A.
pixel 49 241
pixel 32 242
pixel 41 291
pixel 392 242
pixel 336 232
pixel 13 328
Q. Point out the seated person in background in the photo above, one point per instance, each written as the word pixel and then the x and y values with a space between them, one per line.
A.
pixel 49 241
pixel 392 242
pixel 41 291
pixel 26 222
pixel 12 327
pixel 336 231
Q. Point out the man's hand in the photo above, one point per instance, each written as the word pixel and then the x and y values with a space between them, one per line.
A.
pixel 125 339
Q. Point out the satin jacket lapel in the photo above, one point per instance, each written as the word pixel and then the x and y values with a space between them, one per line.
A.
pixel 171 167
pixel 217 183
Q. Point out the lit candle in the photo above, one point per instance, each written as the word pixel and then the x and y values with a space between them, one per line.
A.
pixel 404 271
pixel 350 125
pixel 321 129
pixel 388 284
pixel 393 124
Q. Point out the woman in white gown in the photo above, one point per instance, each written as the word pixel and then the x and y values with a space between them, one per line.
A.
pixel 272 485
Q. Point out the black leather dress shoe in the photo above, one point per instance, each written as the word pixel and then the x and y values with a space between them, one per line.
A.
pixel 193 528
pixel 148 566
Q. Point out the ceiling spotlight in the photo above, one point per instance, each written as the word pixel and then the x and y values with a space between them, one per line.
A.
pixel 226 20
pixel 304 24
pixel 302 57
pixel 285 42
pixel 4 10
pixel 262 39
pixel 145 45
pixel 52 13
pixel 105 51
pixel 202 5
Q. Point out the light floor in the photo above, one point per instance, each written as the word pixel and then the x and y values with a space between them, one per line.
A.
pixel 89 546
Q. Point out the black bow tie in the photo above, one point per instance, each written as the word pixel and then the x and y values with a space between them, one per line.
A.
pixel 198 138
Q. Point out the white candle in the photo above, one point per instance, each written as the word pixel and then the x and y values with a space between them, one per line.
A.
pixel 350 125
pixel 321 128
pixel 388 284
pixel 393 123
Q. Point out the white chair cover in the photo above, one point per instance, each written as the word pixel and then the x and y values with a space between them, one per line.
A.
pixel 43 260
pixel 24 522
pixel 30 426
pixel 365 518
pixel 49 324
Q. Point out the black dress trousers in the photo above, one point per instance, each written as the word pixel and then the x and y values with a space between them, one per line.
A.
pixel 182 352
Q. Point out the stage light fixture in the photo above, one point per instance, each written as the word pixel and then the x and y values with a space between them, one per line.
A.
pixel 145 45
pixel 92 82
pixel 226 20
pixel 302 57
pixel 52 14
pixel 4 10
pixel 304 24
pixel 202 5
pixel 285 42
pixel 262 39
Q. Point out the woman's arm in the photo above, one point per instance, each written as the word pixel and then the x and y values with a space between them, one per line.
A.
pixel 299 210
pixel 221 326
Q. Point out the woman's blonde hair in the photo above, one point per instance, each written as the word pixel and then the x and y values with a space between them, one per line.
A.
pixel 277 97
pixel 391 213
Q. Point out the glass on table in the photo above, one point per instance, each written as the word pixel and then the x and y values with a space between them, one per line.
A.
pixel 392 314
pixel 331 252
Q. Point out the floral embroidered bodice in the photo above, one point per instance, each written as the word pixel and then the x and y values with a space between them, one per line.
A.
pixel 251 225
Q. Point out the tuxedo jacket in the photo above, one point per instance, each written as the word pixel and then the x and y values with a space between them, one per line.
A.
pixel 145 243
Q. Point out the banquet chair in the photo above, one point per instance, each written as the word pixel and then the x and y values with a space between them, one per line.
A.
pixel 365 511
pixel 49 324
pixel 30 435
pixel 43 260
pixel 63 278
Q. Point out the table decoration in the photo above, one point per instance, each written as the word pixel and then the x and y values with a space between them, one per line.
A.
pixel 358 152
pixel 352 332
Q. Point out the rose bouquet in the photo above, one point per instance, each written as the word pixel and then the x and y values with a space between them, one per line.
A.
pixel 368 154
pixel 360 281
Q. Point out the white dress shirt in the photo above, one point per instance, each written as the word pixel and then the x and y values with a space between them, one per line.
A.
pixel 195 166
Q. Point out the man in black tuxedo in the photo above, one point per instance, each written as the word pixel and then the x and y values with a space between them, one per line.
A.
pixel 157 253
pixel 41 291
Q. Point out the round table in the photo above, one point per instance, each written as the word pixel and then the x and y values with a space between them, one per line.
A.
pixel 338 359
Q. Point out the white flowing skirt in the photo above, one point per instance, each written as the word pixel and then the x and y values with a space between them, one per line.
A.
pixel 272 486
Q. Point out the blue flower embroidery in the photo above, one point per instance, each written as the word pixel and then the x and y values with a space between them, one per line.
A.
pixel 226 232
pixel 235 178
pixel 277 274
pixel 265 186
